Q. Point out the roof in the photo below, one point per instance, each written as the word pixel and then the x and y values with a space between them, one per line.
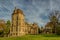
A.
pixel 16 11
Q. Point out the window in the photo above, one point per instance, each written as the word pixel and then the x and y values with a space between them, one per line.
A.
pixel 16 33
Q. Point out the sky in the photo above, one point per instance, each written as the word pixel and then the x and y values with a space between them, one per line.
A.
pixel 34 10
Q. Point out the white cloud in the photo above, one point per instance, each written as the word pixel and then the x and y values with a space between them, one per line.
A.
pixel 32 9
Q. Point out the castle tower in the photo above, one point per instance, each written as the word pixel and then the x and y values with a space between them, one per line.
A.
pixel 18 23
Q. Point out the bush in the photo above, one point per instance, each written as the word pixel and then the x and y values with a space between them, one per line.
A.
pixel 58 29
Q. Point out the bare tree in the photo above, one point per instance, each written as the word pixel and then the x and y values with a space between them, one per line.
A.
pixel 54 18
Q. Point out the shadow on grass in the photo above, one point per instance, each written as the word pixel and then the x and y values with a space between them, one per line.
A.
pixel 50 35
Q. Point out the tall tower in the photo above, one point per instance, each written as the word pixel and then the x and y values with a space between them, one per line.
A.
pixel 18 23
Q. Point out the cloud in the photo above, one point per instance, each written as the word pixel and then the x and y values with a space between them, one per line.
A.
pixel 55 4
pixel 3 9
pixel 34 10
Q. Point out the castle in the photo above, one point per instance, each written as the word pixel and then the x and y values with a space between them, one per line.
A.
pixel 19 26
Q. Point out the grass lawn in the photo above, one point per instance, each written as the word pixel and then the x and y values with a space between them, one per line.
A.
pixel 32 37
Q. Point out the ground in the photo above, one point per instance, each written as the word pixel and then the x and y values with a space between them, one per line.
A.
pixel 33 37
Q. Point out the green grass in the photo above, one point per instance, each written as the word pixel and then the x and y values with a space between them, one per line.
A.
pixel 33 37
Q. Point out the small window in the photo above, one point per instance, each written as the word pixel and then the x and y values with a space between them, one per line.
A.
pixel 16 33
pixel 13 33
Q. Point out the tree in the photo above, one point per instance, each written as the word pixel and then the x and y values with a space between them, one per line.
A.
pixel 7 30
pixel 2 29
pixel 54 18
pixel 8 23
pixel 58 29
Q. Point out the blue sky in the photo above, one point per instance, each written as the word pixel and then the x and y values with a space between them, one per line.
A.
pixel 34 10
